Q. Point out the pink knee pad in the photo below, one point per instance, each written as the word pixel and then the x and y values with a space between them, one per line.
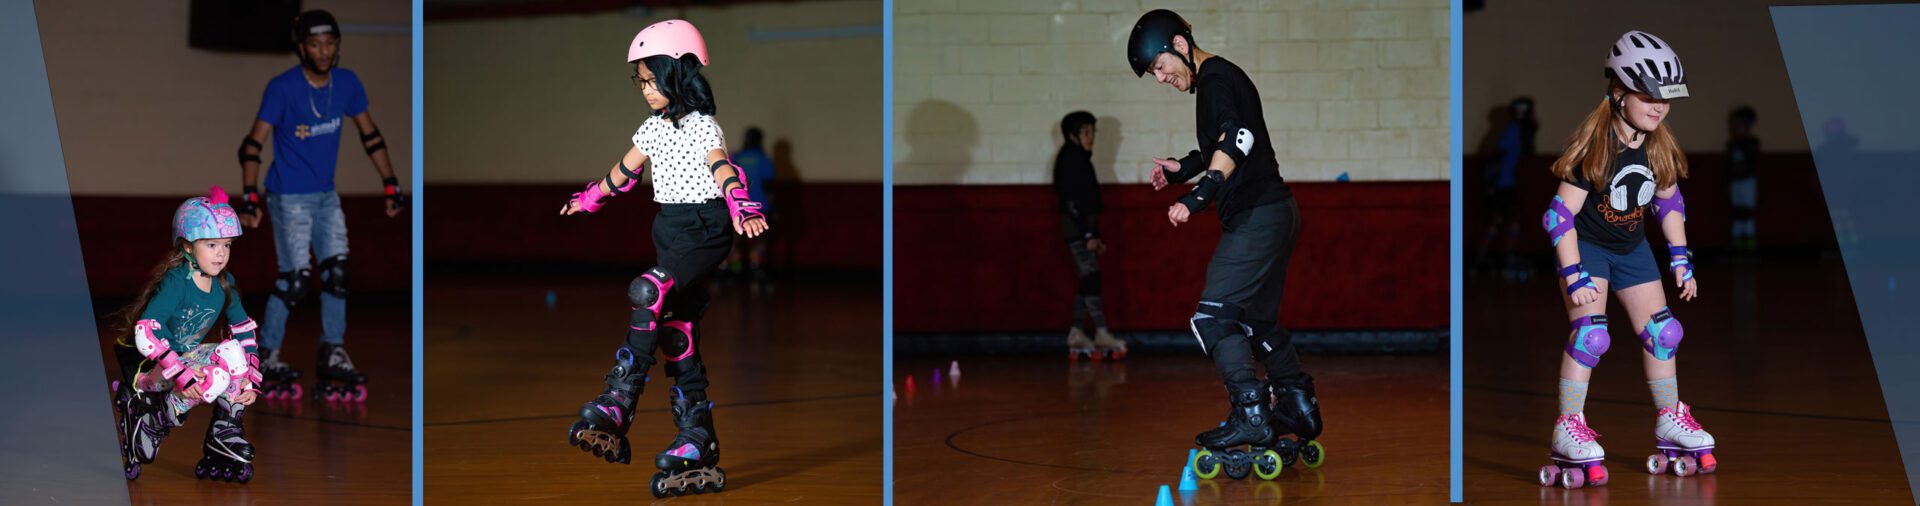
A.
pixel 649 292
pixel 232 358
pixel 686 329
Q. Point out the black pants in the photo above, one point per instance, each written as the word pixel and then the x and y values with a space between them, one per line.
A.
pixel 691 241
pixel 1238 320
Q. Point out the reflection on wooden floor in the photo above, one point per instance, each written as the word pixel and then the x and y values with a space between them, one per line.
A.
pixel 1775 365
pixel 797 409
pixel 1038 430
pixel 310 451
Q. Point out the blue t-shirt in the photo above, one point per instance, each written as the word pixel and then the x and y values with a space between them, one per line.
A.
pixel 759 172
pixel 307 124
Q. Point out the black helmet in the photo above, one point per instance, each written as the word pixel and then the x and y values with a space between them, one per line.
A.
pixel 311 23
pixel 1153 35
pixel 314 22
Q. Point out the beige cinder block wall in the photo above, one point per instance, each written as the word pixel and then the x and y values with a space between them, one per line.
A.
pixel 547 99
pixel 141 113
pixel 1359 86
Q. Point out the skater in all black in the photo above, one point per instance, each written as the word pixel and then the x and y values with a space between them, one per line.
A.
pixel 1619 175
pixel 703 202
pixel 167 363
pixel 1237 321
pixel 303 109
pixel 1079 192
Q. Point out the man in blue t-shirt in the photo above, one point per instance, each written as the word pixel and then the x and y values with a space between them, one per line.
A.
pixel 304 108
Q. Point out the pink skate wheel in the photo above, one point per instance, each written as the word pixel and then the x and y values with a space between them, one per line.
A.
pixel 1549 474
pixel 359 393
pixel 296 392
pixel 1708 464
pixel 1656 464
pixel 1573 479
pixel 1685 466
pixel 1597 475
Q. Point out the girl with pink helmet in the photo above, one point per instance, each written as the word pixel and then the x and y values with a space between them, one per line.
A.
pixel 703 202
pixel 168 364
pixel 1620 175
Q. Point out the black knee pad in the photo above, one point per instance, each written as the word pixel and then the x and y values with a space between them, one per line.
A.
pixel 1090 284
pixel 333 275
pixel 292 286
pixel 1215 321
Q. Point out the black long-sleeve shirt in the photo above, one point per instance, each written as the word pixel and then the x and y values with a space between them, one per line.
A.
pixel 1227 97
pixel 1078 190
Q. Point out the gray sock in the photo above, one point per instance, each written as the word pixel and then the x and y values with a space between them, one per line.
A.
pixel 1573 396
pixel 1666 392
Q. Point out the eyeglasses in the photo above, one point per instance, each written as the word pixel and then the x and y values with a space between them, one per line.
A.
pixel 640 83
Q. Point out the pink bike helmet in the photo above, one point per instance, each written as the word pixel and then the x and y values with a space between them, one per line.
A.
pixel 673 38
pixel 1647 65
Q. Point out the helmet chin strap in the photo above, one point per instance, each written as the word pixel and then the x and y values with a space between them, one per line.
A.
pixel 1618 105
pixel 195 264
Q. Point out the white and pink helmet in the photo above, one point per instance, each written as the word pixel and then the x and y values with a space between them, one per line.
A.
pixel 1647 65
pixel 673 38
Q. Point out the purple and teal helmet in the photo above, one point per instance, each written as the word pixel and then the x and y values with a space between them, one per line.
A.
pixel 208 217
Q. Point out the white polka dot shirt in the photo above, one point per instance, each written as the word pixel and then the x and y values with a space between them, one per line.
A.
pixel 681 174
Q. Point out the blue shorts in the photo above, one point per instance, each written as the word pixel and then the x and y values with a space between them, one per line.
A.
pixel 1620 270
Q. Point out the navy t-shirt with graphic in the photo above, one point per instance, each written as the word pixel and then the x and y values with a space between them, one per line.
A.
pixel 1615 213
pixel 307 124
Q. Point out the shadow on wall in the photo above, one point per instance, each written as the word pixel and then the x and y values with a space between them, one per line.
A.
pixel 941 138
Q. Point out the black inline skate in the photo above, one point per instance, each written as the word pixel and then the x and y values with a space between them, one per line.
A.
pixel 1296 411
pixel 690 464
pixel 278 381
pixel 1248 423
pixel 145 421
pixel 335 379
pixel 229 457
pixel 603 424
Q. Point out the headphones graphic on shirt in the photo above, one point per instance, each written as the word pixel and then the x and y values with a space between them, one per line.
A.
pixel 1619 195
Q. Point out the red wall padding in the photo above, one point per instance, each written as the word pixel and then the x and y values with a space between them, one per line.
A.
pixel 1791 208
pixel 122 239
pixel 990 258
pixel 816 226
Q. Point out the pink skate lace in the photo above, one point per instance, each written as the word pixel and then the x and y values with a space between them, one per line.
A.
pixel 1579 430
pixel 1685 418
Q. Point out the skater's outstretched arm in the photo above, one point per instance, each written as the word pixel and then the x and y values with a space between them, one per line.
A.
pixel 1671 210
pixel 620 179
pixel 747 219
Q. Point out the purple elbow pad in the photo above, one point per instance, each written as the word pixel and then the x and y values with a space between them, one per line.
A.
pixel 1664 206
pixel 1558 220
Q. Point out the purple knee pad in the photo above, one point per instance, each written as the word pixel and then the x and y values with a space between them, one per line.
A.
pixel 1590 340
pixel 1662 335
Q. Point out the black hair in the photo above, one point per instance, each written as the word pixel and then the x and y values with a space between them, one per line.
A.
pixel 1746 115
pixel 1070 126
pixel 679 80
pixel 1522 110
pixel 754 138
